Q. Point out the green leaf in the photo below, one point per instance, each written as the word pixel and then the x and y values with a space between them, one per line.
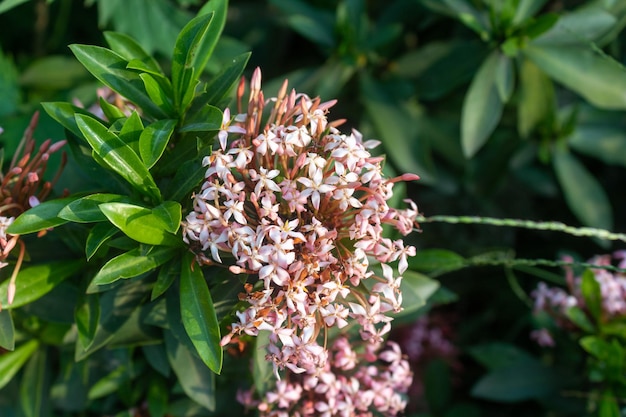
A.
pixel 6 5
pixel 129 265
pixel 35 386
pixel 98 236
pixel 130 50
pixel 526 9
pixel 186 179
pixel 536 99
pixel 196 379
pixel 222 83
pixel 505 77
pixel 154 140
pixel 577 316
pixel 86 209
pixel 437 385
pixel 10 363
pixel 110 69
pixel 194 46
pixel 315 24
pixel 111 112
pixel 40 217
pixel 158 393
pixel 53 72
pixel 482 107
pixel 118 155
pixel 35 281
pixel 116 308
pixel 170 213
pixel 207 119
pixel 596 77
pixel 416 289
pixel 167 275
pixel 64 113
pixel 198 314
pixel 157 358
pixel 607 143
pixel 592 295
pixel 160 92
pixel 86 317
pixel 140 223
pixel 263 369
pixel 581 26
pixel 498 355
pixel 524 379
pixel 131 131
pixel 584 196
pixel 7 330
pixel 110 383
pixel 439 260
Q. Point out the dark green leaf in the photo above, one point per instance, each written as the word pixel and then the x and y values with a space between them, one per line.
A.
pixel 86 317
pixel 130 265
pixel 98 235
pixel 158 393
pixel 131 131
pixel 437 385
pixel 196 379
pixel 109 383
pixel 110 68
pixel 498 355
pixel 7 5
pixel 167 274
pixel 36 281
pixel 526 9
pixel 170 214
pixel 592 295
pixel 157 358
pixel 436 260
pixel 64 113
pixel 315 24
pixel 118 155
pixel 198 314
pixel 207 119
pixel 40 217
pixel 130 50
pixel 186 179
pixel 263 369
pixel 482 107
pixel 222 83
pixel 416 289
pixel 584 196
pixel 598 78
pixel 140 224
pixel 154 140
pixel 35 386
pixel 11 362
pixel 7 330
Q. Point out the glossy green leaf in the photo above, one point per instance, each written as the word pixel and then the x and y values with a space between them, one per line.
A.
pixel 110 68
pixel 160 91
pixel 154 140
pixel 223 82
pixel 115 308
pixel 536 99
pixel 7 330
pixel 524 379
pixel 196 379
pixel 139 223
pixel 40 217
pixel 170 213
pixel 111 112
pixel 35 386
pixel 167 275
pixel 12 362
pixel 198 314
pixel 584 196
pixel 194 46
pixel 118 155
pixel 6 5
pixel 131 131
pixel 86 209
pixel 98 236
pixel 482 107
pixel 64 114
pixel 130 50
pixel 207 119
pixel 607 143
pixel 130 265
pixel 35 281
pixel 598 78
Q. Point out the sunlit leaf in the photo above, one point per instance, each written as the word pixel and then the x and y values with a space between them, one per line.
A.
pixel 86 209
pixel 139 223
pixel 40 217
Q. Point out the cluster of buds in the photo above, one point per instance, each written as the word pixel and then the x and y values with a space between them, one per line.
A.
pixel 557 301
pixel 21 187
pixel 300 208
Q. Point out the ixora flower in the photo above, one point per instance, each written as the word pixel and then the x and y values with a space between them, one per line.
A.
pixel 300 207
pixel 21 187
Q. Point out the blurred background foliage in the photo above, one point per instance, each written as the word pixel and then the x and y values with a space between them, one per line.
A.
pixel 504 108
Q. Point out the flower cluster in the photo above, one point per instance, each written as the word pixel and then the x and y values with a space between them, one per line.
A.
pixel 557 301
pixel 300 208
pixel 350 384
pixel 21 187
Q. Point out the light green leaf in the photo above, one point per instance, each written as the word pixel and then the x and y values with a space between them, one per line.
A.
pixel 536 99
pixel 110 69
pixel 35 386
pixel 196 379
pixel 140 224
pixel 505 77
pixel 7 330
pixel 526 9
pixel 129 265
pixel 118 155
pixel 110 111
pixel 86 209
pixel 10 363
pixel 591 293
pixel 584 196
pixel 581 26
pixel 482 107
pixel 198 314
pixel 596 77
pixel 130 50
pixel 131 131
pixel 35 281
pixel 40 217
pixel 607 143
pixel 6 5
pixel 160 92
pixel 154 140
